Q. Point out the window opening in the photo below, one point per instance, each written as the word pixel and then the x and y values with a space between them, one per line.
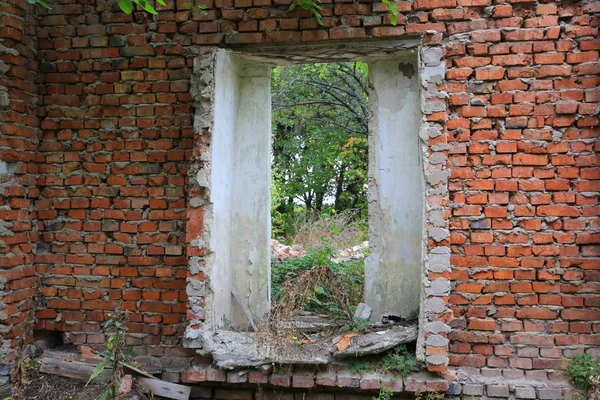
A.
pixel 319 186
pixel 361 119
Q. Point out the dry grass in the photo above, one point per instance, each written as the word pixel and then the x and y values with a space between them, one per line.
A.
pixel 315 229
pixel 41 386
pixel 327 294
pixel 595 391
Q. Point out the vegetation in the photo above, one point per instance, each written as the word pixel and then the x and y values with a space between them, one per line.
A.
pixel 359 366
pixel 113 355
pixel 584 373
pixel 18 374
pixel 399 360
pixel 384 393
pixel 314 6
pixel 428 395
pixel 320 146
pixel 315 283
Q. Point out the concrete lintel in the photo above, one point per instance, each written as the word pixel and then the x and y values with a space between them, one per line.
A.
pixel 332 51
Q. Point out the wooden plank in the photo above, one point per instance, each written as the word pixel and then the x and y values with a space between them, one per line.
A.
pixel 72 369
pixel 165 389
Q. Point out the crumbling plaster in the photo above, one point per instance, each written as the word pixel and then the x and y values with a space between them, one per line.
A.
pixel 236 261
pixel 393 266
pixel 428 224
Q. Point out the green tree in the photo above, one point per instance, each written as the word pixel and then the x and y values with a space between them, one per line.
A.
pixel 320 135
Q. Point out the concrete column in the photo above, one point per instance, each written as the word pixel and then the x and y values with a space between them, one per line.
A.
pixel 240 238
pixel 393 267
pixel 251 202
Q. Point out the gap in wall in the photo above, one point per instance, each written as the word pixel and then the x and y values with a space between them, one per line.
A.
pixel 319 211
pixel 239 314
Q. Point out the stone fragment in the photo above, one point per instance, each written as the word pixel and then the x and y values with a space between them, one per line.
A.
pixel 363 311
pixel 380 341
pixel 438 234
pixel 432 56
pixel 433 74
pixel 454 389
pixel 525 393
pixel 437 360
pixel 438 287
pixel 549 394
pixel 435 305
pixel 498 390
pixel 436 341
pixel 437 177
pixel 4 67
pixel 473 389
pixel 4 100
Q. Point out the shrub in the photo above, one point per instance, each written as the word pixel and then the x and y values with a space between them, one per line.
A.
pixel 315 283
pixel 584 371
pixel 399 360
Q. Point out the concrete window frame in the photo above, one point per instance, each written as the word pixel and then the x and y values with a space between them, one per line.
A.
pixel 229 279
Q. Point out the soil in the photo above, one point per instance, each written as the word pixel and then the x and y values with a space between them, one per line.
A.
pixel 52 387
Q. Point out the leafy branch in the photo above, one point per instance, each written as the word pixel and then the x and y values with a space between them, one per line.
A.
pixel 115 330
pixel 311 5
pixel 393 7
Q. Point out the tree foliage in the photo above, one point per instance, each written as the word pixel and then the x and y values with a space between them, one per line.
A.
pixel 320 136
pixel 314 6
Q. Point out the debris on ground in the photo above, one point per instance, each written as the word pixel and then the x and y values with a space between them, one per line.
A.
pixel 81 366
pixel 280 252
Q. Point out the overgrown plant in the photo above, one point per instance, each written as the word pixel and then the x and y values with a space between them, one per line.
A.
pixel 18 374
pixel 399 360
pixel 315 283
pixel 428 395
pixel 340 230
pixel 311 5
pixel 384 393
pixel 356 325
pixel 584 373
pixel 361 367
pixel 113 355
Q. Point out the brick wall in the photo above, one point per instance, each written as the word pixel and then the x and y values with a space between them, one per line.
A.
pixel 117 129
pixel 19 134
pixel 116 141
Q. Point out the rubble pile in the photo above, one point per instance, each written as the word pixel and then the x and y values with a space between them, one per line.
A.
pixel 280 252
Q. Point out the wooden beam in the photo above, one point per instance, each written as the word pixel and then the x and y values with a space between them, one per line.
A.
pixel 72 369
pixel 165 389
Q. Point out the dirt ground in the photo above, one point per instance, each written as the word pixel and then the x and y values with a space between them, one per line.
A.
pixel 52 387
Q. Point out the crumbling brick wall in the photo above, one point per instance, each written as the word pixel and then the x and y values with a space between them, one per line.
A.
pixel 117 129
pixel 19 135
pixel 116 138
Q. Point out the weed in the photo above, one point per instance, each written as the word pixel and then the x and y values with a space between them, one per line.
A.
pixel 584 373
pixel 356 325
pixel 399 360
pixel 115 330
pixel 428 395
pixel 315 283
pixel 18 375
pixel 384 393
pixel 344 229
pixel 361 367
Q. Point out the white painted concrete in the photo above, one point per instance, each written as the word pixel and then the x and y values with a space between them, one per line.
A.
pixel 393 267
pixel 222 176
pixel 251 201
pixel 240 191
